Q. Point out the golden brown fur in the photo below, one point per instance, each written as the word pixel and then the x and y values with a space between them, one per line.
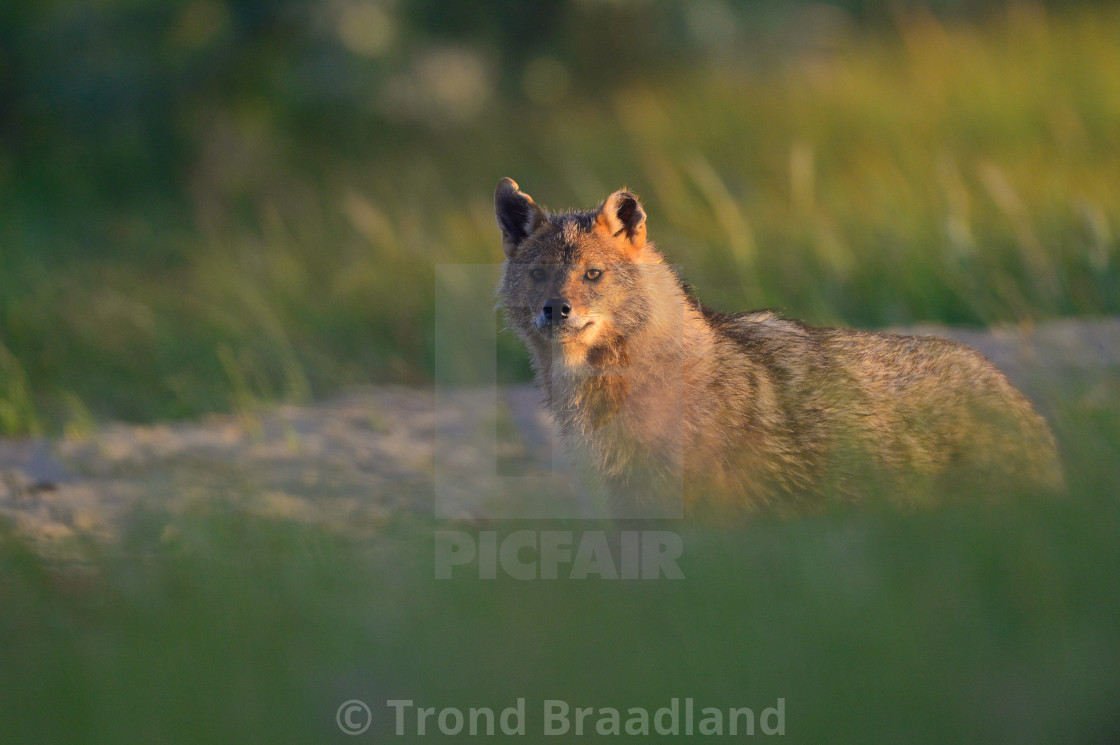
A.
pixel 657 392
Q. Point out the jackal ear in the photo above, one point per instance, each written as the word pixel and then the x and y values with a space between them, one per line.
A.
pixel 623 217
pixel 518 215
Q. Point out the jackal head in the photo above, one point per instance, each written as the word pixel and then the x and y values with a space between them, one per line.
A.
pixel 574 278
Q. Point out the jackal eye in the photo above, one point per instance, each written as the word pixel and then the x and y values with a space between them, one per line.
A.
pixel 537 274
pixel 593 274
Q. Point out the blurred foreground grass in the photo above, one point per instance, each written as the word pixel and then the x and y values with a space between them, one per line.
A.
pixel 956 172
pixel 977 621
pixel 963 173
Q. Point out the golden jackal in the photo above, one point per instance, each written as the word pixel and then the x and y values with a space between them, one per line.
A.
pixel 655 391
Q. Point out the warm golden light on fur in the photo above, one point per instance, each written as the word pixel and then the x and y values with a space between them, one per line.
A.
pixel 657 393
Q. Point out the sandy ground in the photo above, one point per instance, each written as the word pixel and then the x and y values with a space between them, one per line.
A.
pixel 352 462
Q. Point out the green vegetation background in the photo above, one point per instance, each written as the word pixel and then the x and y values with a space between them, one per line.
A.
pixel 210 203
pixel 202 200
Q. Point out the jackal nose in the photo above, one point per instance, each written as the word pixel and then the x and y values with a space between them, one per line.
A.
pixel 557 309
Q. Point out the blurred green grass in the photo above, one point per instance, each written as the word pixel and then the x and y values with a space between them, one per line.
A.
pixel 960 171
pixel 927 170
pixel 994 621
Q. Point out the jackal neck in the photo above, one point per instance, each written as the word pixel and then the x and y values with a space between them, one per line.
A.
pixel 629 377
